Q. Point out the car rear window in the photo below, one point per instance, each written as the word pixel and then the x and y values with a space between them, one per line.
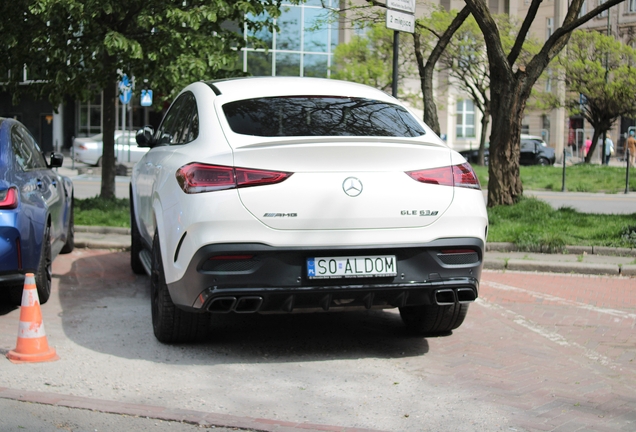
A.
pixel 320 116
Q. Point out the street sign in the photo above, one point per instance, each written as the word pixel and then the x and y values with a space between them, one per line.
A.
pixel 400 21
pixel 146 98
pixel 401 5
pixel 125 89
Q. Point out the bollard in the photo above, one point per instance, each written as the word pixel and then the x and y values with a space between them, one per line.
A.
pixel 563 178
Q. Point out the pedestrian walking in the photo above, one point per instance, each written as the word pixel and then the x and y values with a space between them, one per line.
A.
pixel 631 148
pixel 609 150
pixel 588 144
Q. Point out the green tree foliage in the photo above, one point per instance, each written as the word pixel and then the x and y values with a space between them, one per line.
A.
pixel 604 71
pixel 77 48
pixel 368 58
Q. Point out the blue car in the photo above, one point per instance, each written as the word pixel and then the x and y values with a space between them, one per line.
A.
pixel 36 212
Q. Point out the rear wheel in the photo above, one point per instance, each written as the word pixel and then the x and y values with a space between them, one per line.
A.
pixel 171 324
pixel 70 234
pixel 433 319
pixel 43 277
pixel 544 162
pixel 136 244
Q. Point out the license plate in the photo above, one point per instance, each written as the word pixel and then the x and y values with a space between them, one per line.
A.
pixel 351 267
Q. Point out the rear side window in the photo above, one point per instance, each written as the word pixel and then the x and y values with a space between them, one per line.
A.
pixel 181 123
pixel 26 151
pixel 320 116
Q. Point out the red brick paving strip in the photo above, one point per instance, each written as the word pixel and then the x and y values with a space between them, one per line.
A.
pixel 169 414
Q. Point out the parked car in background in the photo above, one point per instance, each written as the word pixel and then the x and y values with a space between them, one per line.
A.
pixel 36 212
pixel 534 151
pixel 89 150
pixel 280 195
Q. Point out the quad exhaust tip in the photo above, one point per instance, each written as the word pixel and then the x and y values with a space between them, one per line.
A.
pixel 247 304
pixel 447 297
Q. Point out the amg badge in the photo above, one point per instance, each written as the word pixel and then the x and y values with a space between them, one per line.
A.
pixel 281 215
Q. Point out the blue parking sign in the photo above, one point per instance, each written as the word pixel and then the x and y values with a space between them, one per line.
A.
pixel 125 89
pixel 146 97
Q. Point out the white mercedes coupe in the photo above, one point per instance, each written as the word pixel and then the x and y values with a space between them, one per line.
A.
pixel 279 194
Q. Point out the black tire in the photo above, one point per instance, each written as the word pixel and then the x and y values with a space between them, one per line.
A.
pixel 543 162
pixel 136 244
pixel 70 234
pixel 433 319
pixel 45 271
pixel 171 324
pixel 12 295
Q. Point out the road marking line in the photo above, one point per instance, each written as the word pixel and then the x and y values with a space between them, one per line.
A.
pixel 552 336
pixel 612 312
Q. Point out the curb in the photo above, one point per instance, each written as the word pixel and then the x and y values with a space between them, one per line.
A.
pixel 552 266
pixel 96 237
pixel 571 250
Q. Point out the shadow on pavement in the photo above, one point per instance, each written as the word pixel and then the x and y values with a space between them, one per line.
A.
pixel 106 308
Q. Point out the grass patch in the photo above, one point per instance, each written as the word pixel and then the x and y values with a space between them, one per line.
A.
pixel 534 225
pixel 578 178
pixel 97 211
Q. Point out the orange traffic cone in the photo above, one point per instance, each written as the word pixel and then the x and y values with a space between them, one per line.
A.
pixel 32 345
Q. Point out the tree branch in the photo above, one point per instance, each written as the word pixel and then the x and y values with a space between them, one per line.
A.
pixel 523 31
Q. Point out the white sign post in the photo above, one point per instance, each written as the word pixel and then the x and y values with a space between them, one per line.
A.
pixel 400 16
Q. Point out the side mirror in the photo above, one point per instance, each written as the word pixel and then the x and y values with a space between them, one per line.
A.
pixel 55 161
pixel 145 136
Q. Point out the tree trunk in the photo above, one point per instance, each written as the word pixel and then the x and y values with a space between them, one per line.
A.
pixel 426 70
pixel 595 137
pixel 109 114
pixel 482 138
pixel 504 182
pixel 430 108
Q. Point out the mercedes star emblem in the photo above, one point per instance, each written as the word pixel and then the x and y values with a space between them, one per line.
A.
pixel 352 186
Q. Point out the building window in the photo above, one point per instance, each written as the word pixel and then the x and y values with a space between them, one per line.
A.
pixel 465 122
pixel 583 9
pixel 303 45
pixel 549 27
pixel 632 5
pixel 605 12
pixel 545 128
pixel 89 117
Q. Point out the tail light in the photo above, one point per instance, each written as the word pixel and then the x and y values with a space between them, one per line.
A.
pixel 197 177
pixel 456 175
pixel 9 198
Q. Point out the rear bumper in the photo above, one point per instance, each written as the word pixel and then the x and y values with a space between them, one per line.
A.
pixel 269 279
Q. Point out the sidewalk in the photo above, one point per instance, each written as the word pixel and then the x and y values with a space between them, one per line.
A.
pixel 588 260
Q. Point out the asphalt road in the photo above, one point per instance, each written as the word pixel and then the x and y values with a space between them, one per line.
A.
pixel 536 352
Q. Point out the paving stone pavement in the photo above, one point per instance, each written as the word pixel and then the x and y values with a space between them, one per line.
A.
pixel 557 351
pixel 560 349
